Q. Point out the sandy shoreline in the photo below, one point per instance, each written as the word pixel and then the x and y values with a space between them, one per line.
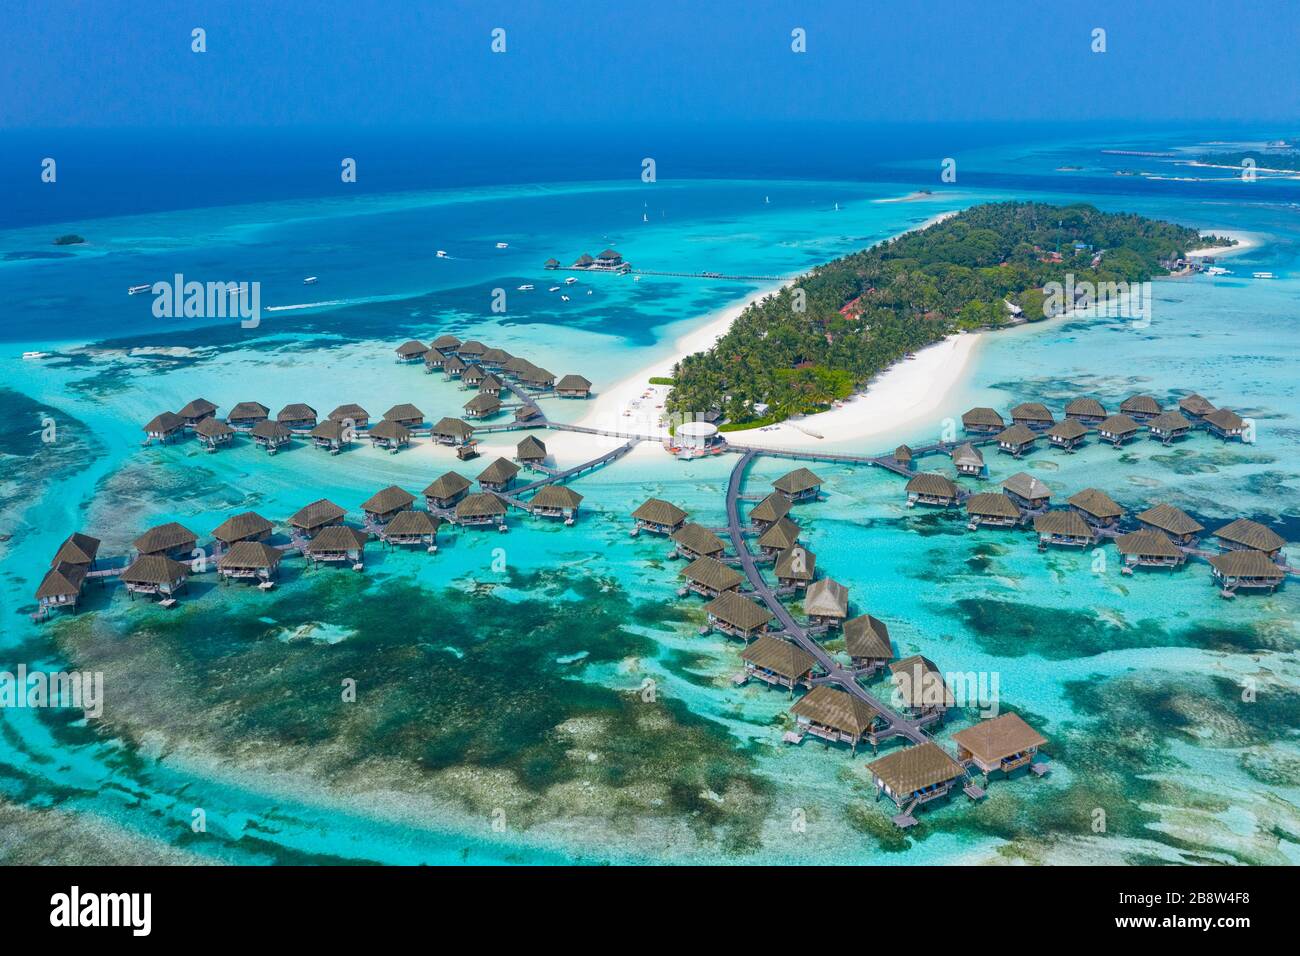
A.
pixel 1245 242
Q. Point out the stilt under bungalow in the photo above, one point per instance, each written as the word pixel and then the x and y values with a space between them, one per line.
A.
pixel 915 776
pixel 1001 744
pixel 250 561
pixel 837 717
pixel 778 663
pixel 709 577
pixel 866 641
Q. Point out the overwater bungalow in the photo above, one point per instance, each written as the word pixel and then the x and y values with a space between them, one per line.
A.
pixel 1168 427
pixel 444 492
pixel 778 663
pixel 1244 534
pixel 737 616
pixel 270 435
pixel 248 526
pixel 165 426
pixel 795 568
pixel 920 688
pixel 782 534
pixel 555 501
pixel 527 413
pixel 710 577
pixel 696 541
pixel 1067 434
pixel 609 259
pixel 1195 407
pixel 515 366
pixel 390 435
pixel 405 414
pixel 77 548
pixel 658 517
pixel 482 406
pixel 1178 525
pixel 380 507
pixel 250 560
pixel 451 431
pixel 1140 407
pixel 247 414
pixel 61 586
pixel 771 509
pixel 352 414
pixel 903 455
pixel 1096 508
pixel 1016 440
pixel 297 417
pixel 982 421
pixel 1027 492
pixel 530 451
pixel 537 378
pixel 338 544
pixel 491 385
pixel 197 411
pixel 433 361
pixel 932 489
pixel 1148 549
pixel 1251 570
pixel 799 485
pixel 473 376
pixel 998 744
pixel 155 574
pixel 412 528
pixel 826 602
pixel 866 640
pixel 471 351
pixel 1033 415
pixel 991 509
pixel 453 366
pixel 1226 424
pixel 171 539
pixel 551 263
pixel 494 358
pixel 836 716
pixel 968 460
pixel 573 386
pixel 1117 429
pixel 331 435
pixel 481 509
pixel 412 351
pixel 315 517
pixel 446 344
pixel 498 476
pixel 1087 411
pixel 1065 528
pixel 213 433
pixel 914 777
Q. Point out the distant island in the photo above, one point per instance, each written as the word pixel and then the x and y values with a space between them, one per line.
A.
pixel 984 268
pixel 1266 161
pixel 71 239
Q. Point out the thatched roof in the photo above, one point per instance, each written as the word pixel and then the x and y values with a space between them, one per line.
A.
pixel 412 347
pixel 62 580
pixel 244 525
pixel 474 373
pixel 534 375
pixel 982 418
pixel 1118 425
pixel 483 404
pixel 1026 486
pixel 1173 520
pixel 903 454
pixel 697 538
pixel 555 496
pixel 1169 422
pixel 473 347
pixel 213 428
pixel 1146 543
pixel 920 682
pixel 928 483
pixel 771 508
pixel 1195 404
pixel 270 431
pixel 1096 502
pixel 1017 435
pixel 1068 429
pixel 388 499
pixel 446 342
pixel 799 480
pixel 454 427
pixel 480 505
pixel 453 363
pixel 992 504
pixel 967 455
pixel 731 608
pixel 249 410
pixel 1062 522
pixel 778 656
pixel 516 364
pixel 389 430
pixel 250 556
pixel 164 422
pixel 351 411
pixel 867 636
pixel 447 486
pixel 998 737
pixel 403 413
pixel 496 356
pixel 837 709
pixel 328 431
pixel 574 382
pixel 657 511
pixel 491 381
pixel 1086 407
pixel 525 413
pixel 712 573
pixel 1141 404
pixel 413 522
pixel 338 537
pixel 915 768
pixel 154 569
pixel 77 548
pixel 1032 411
pixel 165 537
pixel 1247 564
pixel 781 535
pixel 1225 419
pixel 317 513
pixel 1251 534
pixel 499 472
pixel 200 406
pixel 531 449
pixel 826 598
pixel 796 563
pixel 296 412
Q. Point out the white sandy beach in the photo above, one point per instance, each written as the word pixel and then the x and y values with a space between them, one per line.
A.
pixel 1245 242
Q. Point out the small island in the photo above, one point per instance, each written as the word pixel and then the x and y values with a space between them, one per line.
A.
pixel 71 239
pixel 983 268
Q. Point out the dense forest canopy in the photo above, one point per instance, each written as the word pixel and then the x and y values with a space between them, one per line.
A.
pixel 865 311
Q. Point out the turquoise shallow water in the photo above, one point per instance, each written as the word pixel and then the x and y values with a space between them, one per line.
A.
pixel 504 714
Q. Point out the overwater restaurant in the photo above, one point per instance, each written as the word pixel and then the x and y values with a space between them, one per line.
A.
pixel 696 541
pixel 982 421
pixel 737 616
pixel 782 535
pixel 555 501
pixel 1250 535
pixel 247 414
pixel 921 688
pixel 1176 524
pixel 1016 440
pixel 389 435
pixel 1168 427
pixel 480 510
pixel 250 561
pixel 799 485
pixel 770 510
pixel 171 539
pixel 795 568
pixel 1251 570
pixel 213 433
pixel 932 489
pixel 1001 744
pixel 778 663
pixel 338 544
pixel 1096 507
pixel 838 717
pixel 248 526
pixel 1117 429
pixel 331 436
pixel 914 777
pixel 383 505
pixel 310 519
pixel 709 577
pixel 1148 549
pixel 658 517
pixel 1087 411
pixel 446 490
pixel 1064 529
pixel 155 575
pixel 866 640
pixel 1033 415
pixel 412 528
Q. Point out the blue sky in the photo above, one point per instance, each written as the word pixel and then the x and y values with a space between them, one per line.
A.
pixel 127 63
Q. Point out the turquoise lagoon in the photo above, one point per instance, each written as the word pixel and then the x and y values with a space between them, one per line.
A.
pixel 543 695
